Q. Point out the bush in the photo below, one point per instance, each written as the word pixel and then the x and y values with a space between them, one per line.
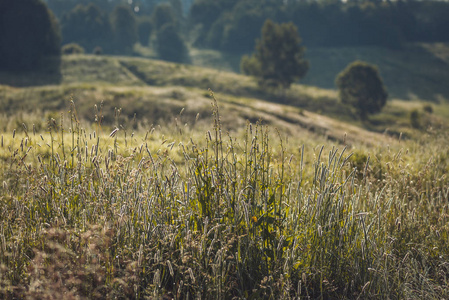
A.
pixel 72 48
pixel 428 108
pixel 23 49
pixel 361 86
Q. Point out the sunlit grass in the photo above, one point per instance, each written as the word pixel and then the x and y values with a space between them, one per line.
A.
pixel 184 211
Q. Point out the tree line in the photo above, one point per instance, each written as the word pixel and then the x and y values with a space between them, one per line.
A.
pixel 115 26
pixel 232 25
pixel 31 35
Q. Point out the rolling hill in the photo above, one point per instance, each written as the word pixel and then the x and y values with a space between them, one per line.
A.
pixel 156 92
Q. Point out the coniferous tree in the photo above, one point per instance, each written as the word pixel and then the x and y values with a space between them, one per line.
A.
pixel 279 57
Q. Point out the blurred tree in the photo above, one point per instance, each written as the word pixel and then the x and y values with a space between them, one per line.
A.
pixel 361 86
pixel 88 26
pixel 29 36
pixel 144 29
pixel 124 27
pixel 163 14
pixel 177 9
pixel 278 60
pixel 206 12
pixel 170 45
pixel 243 25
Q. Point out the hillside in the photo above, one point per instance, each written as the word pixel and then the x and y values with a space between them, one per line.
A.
pixel 156 91
pixel 413 72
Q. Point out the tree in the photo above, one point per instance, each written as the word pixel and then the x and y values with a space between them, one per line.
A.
pixel 170 45
pixel 206 12
pixel 29 36
pixel 86 25
pixel 124 26
pixel 163 14
pixel 361 86
pixel 278 58
pixel 144 29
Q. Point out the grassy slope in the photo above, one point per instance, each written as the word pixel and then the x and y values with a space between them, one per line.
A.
pixel 155 91
pixel 414 72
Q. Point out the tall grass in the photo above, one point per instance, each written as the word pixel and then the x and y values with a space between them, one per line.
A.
pixel 92 215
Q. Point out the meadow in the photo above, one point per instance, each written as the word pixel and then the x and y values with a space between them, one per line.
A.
pixel 226 196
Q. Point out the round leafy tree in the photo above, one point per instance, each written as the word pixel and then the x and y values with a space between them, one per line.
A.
pixel 29 36
pixel 361 86
pixel 170 45
pixel 279 56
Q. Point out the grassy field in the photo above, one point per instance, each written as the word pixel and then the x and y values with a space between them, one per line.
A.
pixel 134 182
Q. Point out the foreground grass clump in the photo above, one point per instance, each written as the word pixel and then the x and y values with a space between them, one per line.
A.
pixel 83 215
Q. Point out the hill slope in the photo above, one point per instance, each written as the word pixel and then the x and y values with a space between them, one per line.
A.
pixel 156 91
pixel 413 72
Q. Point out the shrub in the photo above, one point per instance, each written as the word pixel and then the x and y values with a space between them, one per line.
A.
pixel 428 108
pixel 72 48
pixel 361 86
pixel 415 119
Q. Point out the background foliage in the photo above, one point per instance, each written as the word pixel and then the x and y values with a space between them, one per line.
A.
pixel 29 37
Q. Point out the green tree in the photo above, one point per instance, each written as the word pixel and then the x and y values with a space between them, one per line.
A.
pixel 206 12
pixel 87 25
pixel 144 29
pixel 29 36
pixel 170 45
pixel 279 57
pixel 163 14
pixel 124 27
pixel 361 86
pixel 177 8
